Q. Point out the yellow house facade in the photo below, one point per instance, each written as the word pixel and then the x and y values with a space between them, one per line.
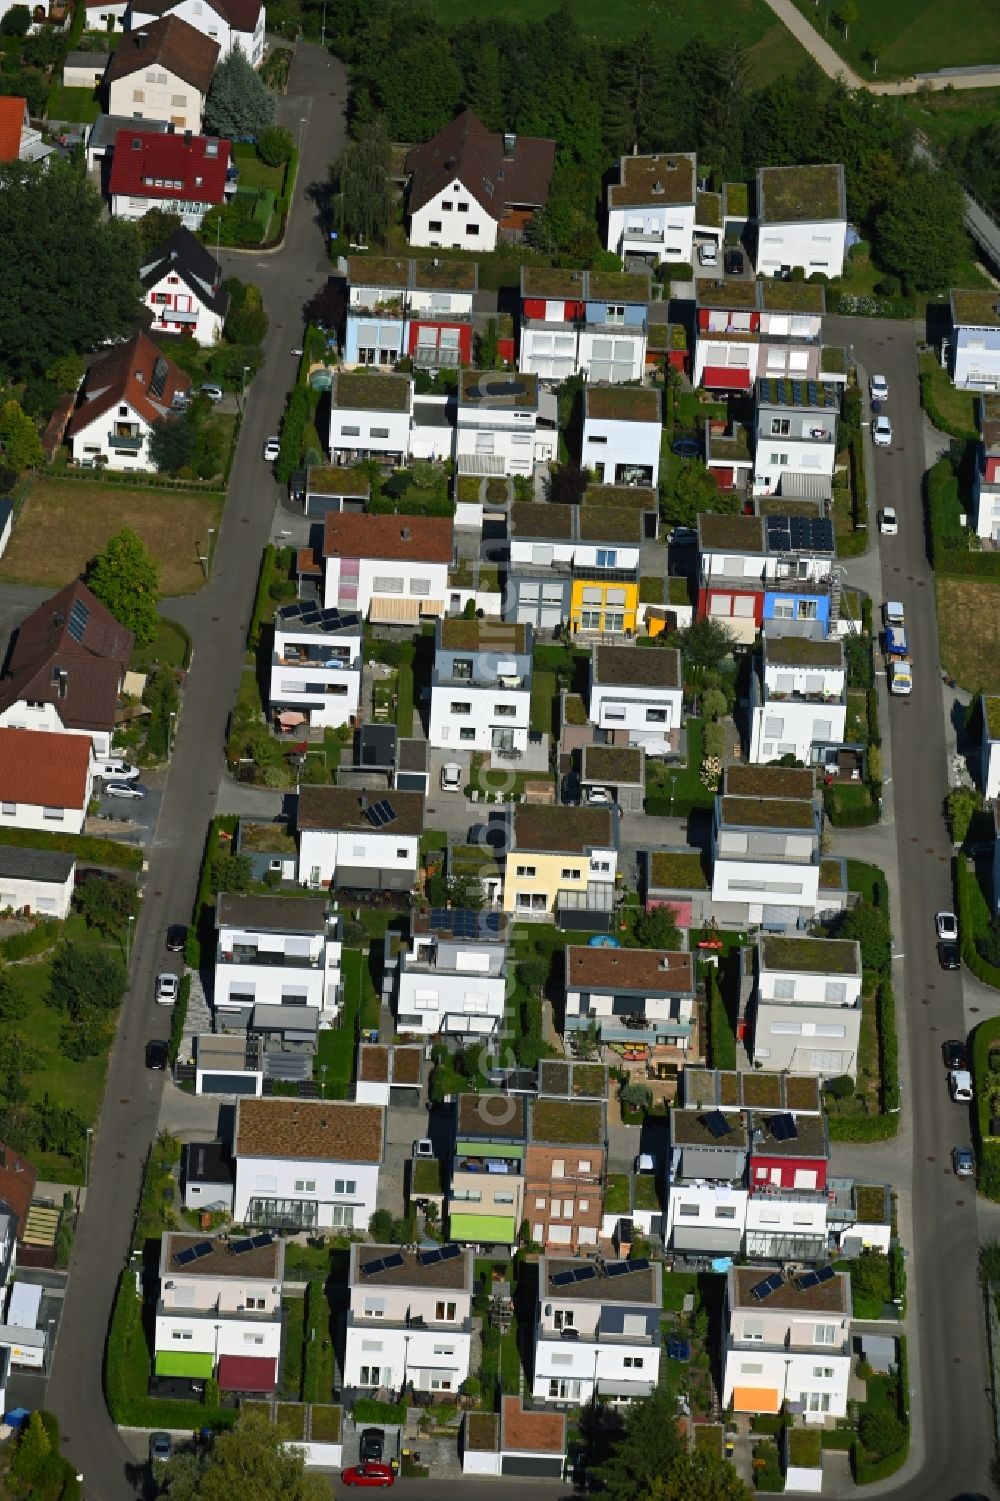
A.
pixel 560 856
pixel 596 605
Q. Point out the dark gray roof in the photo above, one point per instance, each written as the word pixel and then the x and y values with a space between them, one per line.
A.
pixel 207 1162
pixel 104 131
pixel 180 254
pixel 279 914
pixel 35 865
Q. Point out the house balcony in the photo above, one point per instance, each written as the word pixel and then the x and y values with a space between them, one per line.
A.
pixel 176 315
pixel 644 237
pixel 709 578
pixel 413 1322
pixel 434 357
pixel 593 1339
pixel 786 1347
pixel 215 1310
pixel 395 308
pixel 635 331
pixel 635 1031
pixel 126 442
pixel 260 958
pixel 755 857
pixel 313 656
pixel 597 896
pixel 820 433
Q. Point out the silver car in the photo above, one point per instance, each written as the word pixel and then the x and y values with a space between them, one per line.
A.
pixel 963 1162
pixel 167 986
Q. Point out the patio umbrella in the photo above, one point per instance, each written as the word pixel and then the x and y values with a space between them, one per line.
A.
pixel 289 718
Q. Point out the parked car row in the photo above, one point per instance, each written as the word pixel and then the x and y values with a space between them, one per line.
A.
pixel 898 665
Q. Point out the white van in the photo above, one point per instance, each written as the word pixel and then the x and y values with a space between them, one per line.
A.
pixel 115 769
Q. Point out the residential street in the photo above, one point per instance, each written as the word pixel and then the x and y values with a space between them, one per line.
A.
pixel 950 1403
pixel 217 619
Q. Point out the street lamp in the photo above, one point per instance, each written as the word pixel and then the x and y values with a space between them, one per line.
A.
pixel 128 939
pixel 322 1070
pixel 673 779
pixel 243 393
pixel 302 121
pixel 172 732
pixel 86 1160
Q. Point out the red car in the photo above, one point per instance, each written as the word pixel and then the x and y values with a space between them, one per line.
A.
pixel 368 1474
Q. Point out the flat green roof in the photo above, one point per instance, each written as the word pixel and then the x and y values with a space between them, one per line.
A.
pixel 483 1227
pixel 363 390
pixel 629 286
pixel 812 956
pixel 767 813
pixel 512 1149
pixel 608 524
pixel 737 199
pixel 779 296
pixel 800 194
pixel 567 1122
pixel 680 869
pixel 980 308
pixel 991 709
pixel 622 403
pixel 708 209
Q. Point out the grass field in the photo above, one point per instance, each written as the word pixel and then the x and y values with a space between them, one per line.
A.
pixel 63 524
pixel 969 631
pixel 772 50
pixel 77 106
pixel 918 37
pixel 947 114
pixel 543 702
pixel 256 174
pixel 171 647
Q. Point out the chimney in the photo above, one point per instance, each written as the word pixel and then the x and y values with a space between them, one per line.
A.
pixel 509 145
pixel 187 137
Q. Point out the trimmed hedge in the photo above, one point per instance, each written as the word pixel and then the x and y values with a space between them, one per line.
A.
pixel 973 918
pixel 867 1470
pixel 949 540
pixel 33 941
pixel 369 1411
pixel 859 484
pixel 262 598
pixel 316 1313
pixel 837 1438
pixel 888 1047
pixel 85 847
pixel 934 412
pixel 983 1038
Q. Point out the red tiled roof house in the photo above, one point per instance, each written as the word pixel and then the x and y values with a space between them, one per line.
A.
pixel 45 780
pixel 182 174
pixel 125 395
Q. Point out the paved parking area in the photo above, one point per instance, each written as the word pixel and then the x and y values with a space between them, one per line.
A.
pixel 142 812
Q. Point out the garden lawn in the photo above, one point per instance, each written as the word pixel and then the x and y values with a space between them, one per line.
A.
pixel 749 23
pixel 337 1045
pixel 65 523
pixel 171 647
pixel 969 632
pixel 688 789
pixel 919 37
pixel 543 699
pixel 257 174
pixel 957 408
pixel 948 113
pixel 75 106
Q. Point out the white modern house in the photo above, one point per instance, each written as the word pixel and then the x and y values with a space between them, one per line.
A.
pixel 766 847
pixel 452 986
pixel 622 429
pixel 787 1339
pixel 751 329
pixel 707 1192
pixel 975 340
pixel 347 839
pixel 630 995
pixel 230 23
pixel 370 417
pixel 597 1330
pixel 614 329
pixel 36 881
pixel 409 1323
pixel 636 696
pixel 182 287
pixel 469 186
pixel 652 207
pixel 807 1011
pixel 315 667
pixel 801 220
pixel 496 429
pixel 45 780
pixel 307 1164
pixel 481 687
pixel 796 438
pixel 798 698
pixel 218 1313
pixel 125 394
pixel 392 570
pixel 275 951
pixel 986 483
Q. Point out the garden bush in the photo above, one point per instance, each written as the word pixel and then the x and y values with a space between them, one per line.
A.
pixel 33 940
pixel 949 540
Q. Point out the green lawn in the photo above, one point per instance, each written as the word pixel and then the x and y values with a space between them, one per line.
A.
pixel 76 106
pixel 949 113
pixel 748 22
pixel 543 701
pixel 918 37
pixel 336 1048
pixel 172 647
pixel 683 782
pixel 956 408
pixel 255 173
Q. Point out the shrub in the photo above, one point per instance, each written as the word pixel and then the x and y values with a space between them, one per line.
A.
pixel 33 940
pixel 369 1411
pixel 949 540
pixel 275 145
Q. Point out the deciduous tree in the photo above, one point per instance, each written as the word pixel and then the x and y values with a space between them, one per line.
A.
pixel 106 904
pixel 657 929
pixel 44 309
pixel 155 226
pixel 238 102
pixel 697 1477
pixel 126 579
pixel 920 236
pixel 248 1460
pixel 694 489
pixel 19 438
pixel 362 205
pixel 275 145
pixel 648 1445
pixel 705 642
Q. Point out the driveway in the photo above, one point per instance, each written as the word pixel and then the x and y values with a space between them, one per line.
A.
pixel 218 620
pixel 950 1409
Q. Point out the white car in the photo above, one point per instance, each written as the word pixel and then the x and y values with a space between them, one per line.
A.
pixel 946 924
pixel 878 388
pixel 125 789
pixel 960 1085
pixel 214 393
pixel 272 447
pixel 708 254
pixel 167 986
pixel 599 796
pixel 451 777
pixel 900 679
pixel 882 432
pixel 887 523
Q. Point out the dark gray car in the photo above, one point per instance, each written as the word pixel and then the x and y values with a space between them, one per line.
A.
pixel 372 1445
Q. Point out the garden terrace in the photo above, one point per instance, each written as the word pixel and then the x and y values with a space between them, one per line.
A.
pixel 267 838
pixel 680 869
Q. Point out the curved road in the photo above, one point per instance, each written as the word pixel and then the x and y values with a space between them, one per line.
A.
pixel 218 620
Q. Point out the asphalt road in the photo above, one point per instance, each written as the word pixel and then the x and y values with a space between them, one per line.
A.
pixel 218 620
pixel 951 1383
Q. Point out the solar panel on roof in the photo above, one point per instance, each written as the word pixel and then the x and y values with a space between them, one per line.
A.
pixel 448 1253
pixel 158 380
pixel 203 1248
pixel 617 1268
pixel 761 1290
pixel 716 1124
pixel 439 917
pixel 240 1247
pixel 428 1258
pixel 371 1267
pixel 783 1127
pixel 584 1273
pixel 260 1241
pixel 393 1261
pixel 563 1279
pixel 809 1279
pixel 183 1258
pixel 78 617
pixel 825 1274
pixel 640 1265
pixel 380 814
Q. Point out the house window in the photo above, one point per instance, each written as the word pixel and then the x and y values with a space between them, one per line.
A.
pixel 440 1383
pixel 385 584
pixel 817 1401
pixel 505 711
pixel 350 432
pixel 8 809
pixel 596 438
pixel 725 1212
pixel 607 557
pixel 378 432
pixel 444 1311
pixel 472 229
pixel 434 226
pixel 343 1214
pixel 779 427
pixel 689 1211
pixel 826 1334
pixel 633 1362
pixel 463 208
pixel 590 620
pixel 583 1205
pixel 656 716
pixel 180 1334
pixel 256 1303
pixel 345 1185
pixel 571 873
pixel 54 815
pixel 823 1372
pixel 444 1349
pixel 616 313
pixel 461 667
pixel 446 205
pixel 370 1375
pixel 466 734
pixel 461 706
pixel 305 1185
pixel 753 1329
pixel 375 1308
pixel 527 872
pixel 253 1339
